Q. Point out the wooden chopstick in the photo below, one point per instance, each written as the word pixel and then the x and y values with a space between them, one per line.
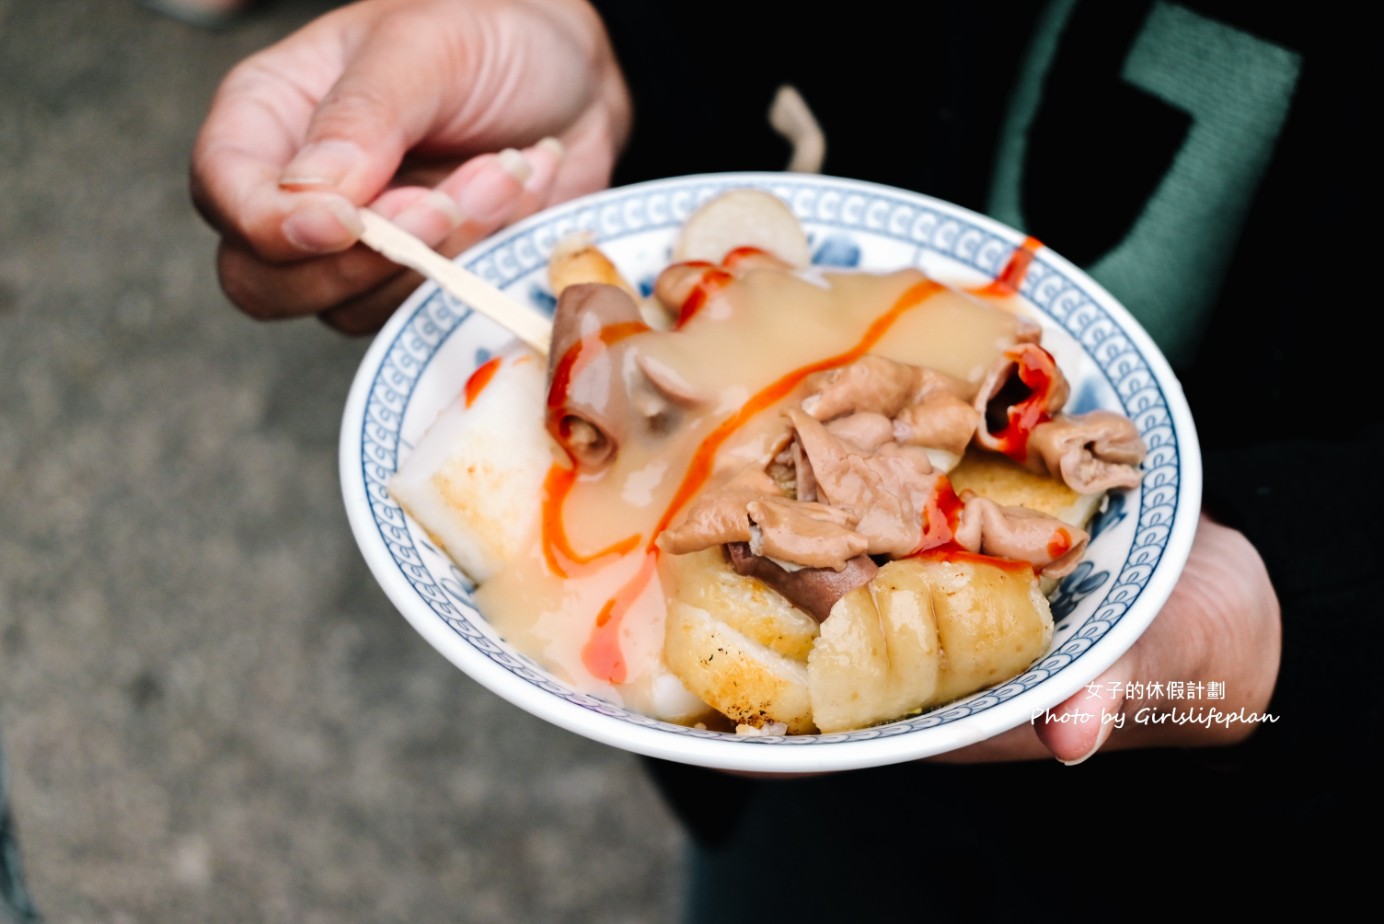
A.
pixel 526 323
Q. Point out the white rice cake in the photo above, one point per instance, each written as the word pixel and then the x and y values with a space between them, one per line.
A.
pixel 472 479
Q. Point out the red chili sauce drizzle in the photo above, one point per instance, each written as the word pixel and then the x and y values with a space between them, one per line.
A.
pixel 1026 414
pixel 562 559
pixel 955 553
pixel 940 516
pixel 737 255
pixel 1012 276
pixel 1060 543
pixel 480 378
pixel 557 548
pixel 578 356
pixel 714 279
pixel 1037 371
pixel 602 654
pixel 940 519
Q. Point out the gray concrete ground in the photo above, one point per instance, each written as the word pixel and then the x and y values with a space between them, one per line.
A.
pixel 211 712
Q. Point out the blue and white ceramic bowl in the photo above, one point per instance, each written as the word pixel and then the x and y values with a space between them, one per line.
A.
pixel 421 360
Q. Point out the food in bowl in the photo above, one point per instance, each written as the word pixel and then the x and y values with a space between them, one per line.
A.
pixel 770 497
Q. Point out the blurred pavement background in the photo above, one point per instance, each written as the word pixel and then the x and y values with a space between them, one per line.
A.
pixel 211 712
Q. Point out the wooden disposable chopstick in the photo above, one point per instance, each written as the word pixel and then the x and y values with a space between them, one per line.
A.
pixel 526 323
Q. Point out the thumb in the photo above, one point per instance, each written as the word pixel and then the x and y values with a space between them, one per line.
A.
pixel 366 123
pixel 1077 727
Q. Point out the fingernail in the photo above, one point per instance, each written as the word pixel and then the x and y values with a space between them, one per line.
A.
pixel 325 225
pixel 431 218
pixel 322 163
pixel 515 164
pixel 553 145
pixel 491 194
pixel 1107 726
